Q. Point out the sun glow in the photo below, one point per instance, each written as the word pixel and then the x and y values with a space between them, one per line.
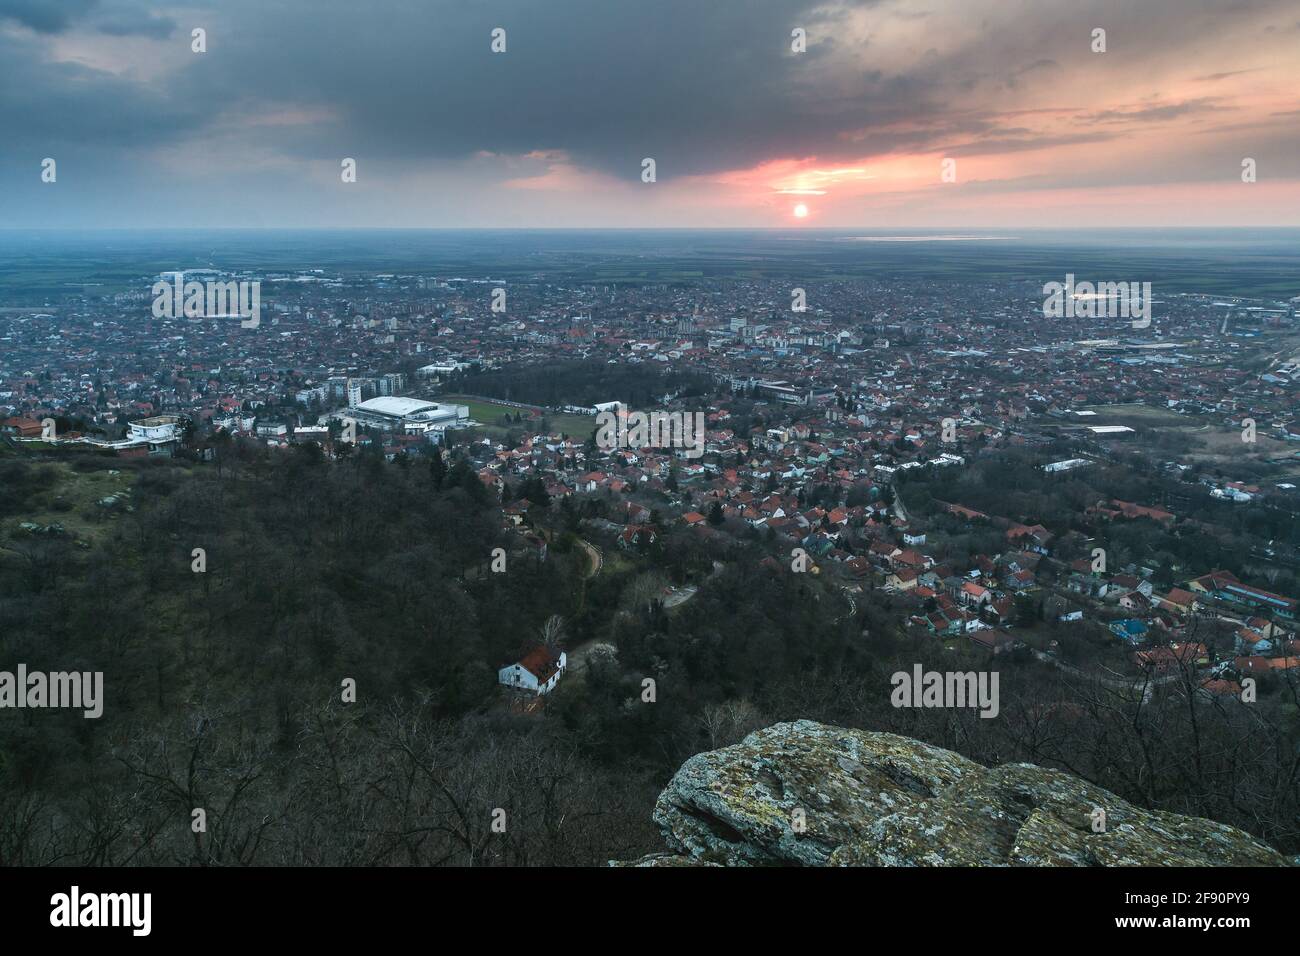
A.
pixel 800 211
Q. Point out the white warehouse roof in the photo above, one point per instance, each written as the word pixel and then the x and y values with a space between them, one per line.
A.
pixel 397 407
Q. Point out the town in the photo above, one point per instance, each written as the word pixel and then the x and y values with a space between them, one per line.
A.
pixel 967 466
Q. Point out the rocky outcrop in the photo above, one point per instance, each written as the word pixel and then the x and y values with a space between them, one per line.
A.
pixel 808 794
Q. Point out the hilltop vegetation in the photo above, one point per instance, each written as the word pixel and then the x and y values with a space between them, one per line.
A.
pixel 223 688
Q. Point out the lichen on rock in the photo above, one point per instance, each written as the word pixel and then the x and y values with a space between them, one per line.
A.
pixel 809 794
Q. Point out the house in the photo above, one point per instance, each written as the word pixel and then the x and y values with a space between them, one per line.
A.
pixel 972 593
pixel 943 622
pixel 634 536
pixel 1175 656
pixel 516 511
pixel 1020 580
pixel 1030 537
pixel 22 427
pixel 1259 599
pixel 858 566
pixel 931 578
pixel 1250 643
pixel 1084 584
pixel 1225 586
pixel 159 429
pixel 539 670
pixel 591 481
pixel 1212 582
pixel 882 551
pixel 911 558
pixel 1135 601
pixel 1000 610
pixel 904 579
pixel 1252 665
pixel 992 639
pixel 1132 510
pixel 1082 566
pixel 1265 627
pixel 1124 583
pixel 1179 601
pixel 1220 687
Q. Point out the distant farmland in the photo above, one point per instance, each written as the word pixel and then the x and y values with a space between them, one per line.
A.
pixel 39 268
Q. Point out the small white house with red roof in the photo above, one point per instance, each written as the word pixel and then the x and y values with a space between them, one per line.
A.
pixel 539 670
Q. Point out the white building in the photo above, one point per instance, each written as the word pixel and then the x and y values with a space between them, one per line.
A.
pixel 1066 465
pixel 413 416
pixel 160 428
pixel 440 368
pixel 316 433
pixel 538 672
pixel 943 461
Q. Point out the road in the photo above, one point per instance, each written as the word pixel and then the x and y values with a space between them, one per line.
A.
pixel 678 596
pixel 900 511
pixel 1144 683
pixel 577 656
pixel 597 558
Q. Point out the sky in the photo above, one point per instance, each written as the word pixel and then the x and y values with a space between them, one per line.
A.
pixel 1038 129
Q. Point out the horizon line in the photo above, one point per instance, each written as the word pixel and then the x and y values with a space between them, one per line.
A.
pixel 955 230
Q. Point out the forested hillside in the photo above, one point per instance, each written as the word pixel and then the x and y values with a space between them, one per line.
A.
pixel 224 688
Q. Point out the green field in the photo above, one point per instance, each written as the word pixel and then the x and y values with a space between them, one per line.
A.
pixel 1134 415
pixel 487 414
pixel 1211 442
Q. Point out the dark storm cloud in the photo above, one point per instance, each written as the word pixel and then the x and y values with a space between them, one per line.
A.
pixel 700 86
pixel 45 16
pixel 118 18
pixel 704 86
pixel 47 106
pixel 147 25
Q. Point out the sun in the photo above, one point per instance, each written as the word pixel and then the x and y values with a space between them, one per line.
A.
pixel 800 211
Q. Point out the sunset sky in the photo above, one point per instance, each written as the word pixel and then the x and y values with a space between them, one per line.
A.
pixel 552 132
